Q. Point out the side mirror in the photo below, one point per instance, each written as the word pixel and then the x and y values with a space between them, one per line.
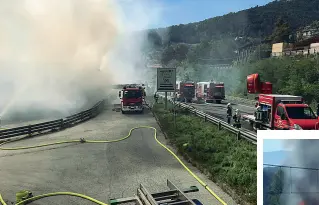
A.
pixel 120 94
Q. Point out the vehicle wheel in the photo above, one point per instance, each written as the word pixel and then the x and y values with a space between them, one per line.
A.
pixel 123 112
pixel 218 101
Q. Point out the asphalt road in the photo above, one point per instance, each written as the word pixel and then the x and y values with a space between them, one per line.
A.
pixel 102 171
pixel 219 111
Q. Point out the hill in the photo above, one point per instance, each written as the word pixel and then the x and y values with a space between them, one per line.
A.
pixel 217 40
pixel 242 39
pixel 255 22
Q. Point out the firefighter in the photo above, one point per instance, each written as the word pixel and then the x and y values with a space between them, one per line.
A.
pixel 229 113
pixel 236 118
pixel 155 97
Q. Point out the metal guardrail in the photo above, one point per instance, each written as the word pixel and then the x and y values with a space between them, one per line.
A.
pixel 221 124
pixel 54 125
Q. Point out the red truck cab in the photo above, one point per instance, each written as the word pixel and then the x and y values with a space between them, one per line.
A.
pixel 132 98
pixel 215 92
pixel 186 91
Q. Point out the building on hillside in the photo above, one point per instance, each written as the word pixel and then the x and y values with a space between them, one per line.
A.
pixel 305 47
pixel 279 48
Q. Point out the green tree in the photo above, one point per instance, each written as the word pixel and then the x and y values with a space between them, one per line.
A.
pixel 281 32
pixel 276 188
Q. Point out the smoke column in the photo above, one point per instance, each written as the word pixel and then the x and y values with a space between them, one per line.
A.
pixel 60 56
pixel 302 184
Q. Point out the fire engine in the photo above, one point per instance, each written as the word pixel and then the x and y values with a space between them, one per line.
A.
pixel 185 91
pixel 132 98
pixel 211 91
pixel 278 112
pixel 201 90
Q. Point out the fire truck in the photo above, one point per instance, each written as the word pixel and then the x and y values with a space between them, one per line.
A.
pixel 211 91
pixel 132 98
pixel 278 112
pixel 185 91
pixel 201 90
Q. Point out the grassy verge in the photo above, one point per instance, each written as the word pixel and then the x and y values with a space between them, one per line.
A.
pixel 230 163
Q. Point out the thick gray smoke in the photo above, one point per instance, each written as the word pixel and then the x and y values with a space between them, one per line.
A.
pixel 60 56
pixel 302 184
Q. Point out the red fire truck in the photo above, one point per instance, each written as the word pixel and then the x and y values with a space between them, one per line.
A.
pixel 278 112
pixel 185 91
pixel 211 91
pixel 132 98
pixel 201 90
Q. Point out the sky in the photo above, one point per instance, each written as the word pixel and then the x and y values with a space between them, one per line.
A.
pixel 174 12
pixel 271 145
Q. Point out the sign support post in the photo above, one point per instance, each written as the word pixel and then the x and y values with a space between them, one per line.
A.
pixel 166 81
pixel 165 100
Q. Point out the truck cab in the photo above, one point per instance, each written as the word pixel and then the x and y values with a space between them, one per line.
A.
pixel 132 98
pixel 215 92
pixel 295 115
pixel 201 90
pixel 186 91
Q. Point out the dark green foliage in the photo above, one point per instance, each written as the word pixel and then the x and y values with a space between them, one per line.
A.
pixel 273 185
pixel 229 161
pixel 253 22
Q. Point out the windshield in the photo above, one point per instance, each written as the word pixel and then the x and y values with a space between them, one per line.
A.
pixel 132 94
pixel 300 113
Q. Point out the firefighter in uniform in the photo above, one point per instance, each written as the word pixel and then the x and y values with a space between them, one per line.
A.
pixel 236 118
pixel 229 113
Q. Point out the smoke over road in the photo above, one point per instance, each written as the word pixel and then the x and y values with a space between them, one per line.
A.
pixel 58 56
pixel 302 184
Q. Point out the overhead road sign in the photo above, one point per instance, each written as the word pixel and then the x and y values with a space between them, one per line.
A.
pixel 166 79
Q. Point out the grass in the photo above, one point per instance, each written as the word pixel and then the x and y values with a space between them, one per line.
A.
pixel 229 162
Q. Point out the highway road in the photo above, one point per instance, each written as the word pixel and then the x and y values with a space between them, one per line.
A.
pixel 101 171
pixel 219 111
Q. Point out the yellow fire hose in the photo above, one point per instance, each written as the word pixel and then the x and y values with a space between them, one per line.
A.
pixel 102 141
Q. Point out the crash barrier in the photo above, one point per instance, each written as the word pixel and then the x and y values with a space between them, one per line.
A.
pixel 54 125
pixel 221 124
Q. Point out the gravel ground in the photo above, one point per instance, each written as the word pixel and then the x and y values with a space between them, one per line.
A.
pixel 102 171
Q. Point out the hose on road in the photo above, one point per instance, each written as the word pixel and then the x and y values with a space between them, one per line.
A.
pixel 82 140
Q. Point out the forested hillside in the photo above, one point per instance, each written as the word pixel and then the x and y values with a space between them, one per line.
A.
pixel 250 23
pixel 196 48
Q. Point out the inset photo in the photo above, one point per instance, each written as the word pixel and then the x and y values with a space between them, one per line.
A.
pixel 288 167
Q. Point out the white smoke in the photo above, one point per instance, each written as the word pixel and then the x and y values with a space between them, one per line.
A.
pixel 59 55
